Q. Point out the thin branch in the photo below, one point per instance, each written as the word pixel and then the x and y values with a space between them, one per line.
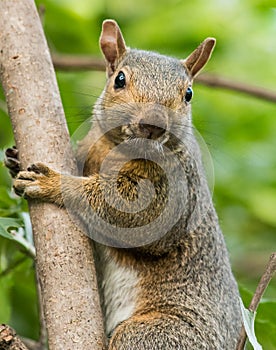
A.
pixel 33 345
pixel 43 335
pixel 268 274
pixel 12 266
pixel 78 63
pixel 264 282
pixel 223 83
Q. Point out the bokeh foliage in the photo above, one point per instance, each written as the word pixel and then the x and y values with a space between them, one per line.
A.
pixel 239 130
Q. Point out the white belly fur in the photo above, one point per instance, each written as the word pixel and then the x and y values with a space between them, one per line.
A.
pixel 120 290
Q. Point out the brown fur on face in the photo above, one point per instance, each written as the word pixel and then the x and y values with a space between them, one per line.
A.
pixel 122 110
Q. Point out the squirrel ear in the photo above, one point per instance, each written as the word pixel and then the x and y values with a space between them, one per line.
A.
pixel 112 44
pixel 199 57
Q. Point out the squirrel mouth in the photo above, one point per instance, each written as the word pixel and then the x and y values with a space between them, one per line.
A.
pixel 146 141
pixel 146 131
pixel 151 132
pixel 144 148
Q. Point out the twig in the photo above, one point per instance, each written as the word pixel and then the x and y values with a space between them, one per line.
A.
pixel 33 345
pixel 12 266
pixel 223 83
pixel 43 336
pixel 41 12
pixel 78 62
pixel 265 279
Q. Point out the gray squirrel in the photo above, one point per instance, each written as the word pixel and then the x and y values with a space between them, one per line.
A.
pixel 163 270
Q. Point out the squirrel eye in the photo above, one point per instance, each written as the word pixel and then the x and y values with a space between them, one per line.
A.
pixel 120 81
pixel 188 94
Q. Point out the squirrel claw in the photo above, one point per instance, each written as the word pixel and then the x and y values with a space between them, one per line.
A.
pixel 11 161
pixel 35 168
pixel 18 188
pixel 28 184
pixel 27 176
pixel 35 182
pixel 39 168
pixel 12 152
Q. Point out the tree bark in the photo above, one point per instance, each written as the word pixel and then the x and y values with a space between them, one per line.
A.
pixel 64 256
pixel 9 339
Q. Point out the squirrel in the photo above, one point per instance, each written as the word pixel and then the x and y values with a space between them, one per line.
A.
pixel 163 269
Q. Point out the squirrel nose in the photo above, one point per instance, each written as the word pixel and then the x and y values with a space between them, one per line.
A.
pixel 150 131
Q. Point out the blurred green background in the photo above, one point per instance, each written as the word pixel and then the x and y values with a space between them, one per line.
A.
pixel 239 130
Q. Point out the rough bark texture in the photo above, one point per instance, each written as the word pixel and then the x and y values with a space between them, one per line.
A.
pixel 9 339
pixel 64 256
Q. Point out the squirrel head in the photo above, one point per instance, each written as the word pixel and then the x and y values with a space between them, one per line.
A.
pixel 147 93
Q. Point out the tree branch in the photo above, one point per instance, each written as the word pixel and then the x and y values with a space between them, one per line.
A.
pixel 76 63
pixel 9 340
pixel 223 83
pixel 64 256
pixel 264 282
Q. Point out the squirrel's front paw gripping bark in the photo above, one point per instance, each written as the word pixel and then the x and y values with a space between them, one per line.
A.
pixel 39 181
pixel 11 161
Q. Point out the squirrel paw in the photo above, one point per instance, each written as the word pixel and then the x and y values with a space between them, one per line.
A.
pixel 37 182
pixel 11 161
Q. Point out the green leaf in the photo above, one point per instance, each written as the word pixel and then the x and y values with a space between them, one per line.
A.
pixel 265 324
pixel 6 225
pixel 12 229
pixel 8 205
